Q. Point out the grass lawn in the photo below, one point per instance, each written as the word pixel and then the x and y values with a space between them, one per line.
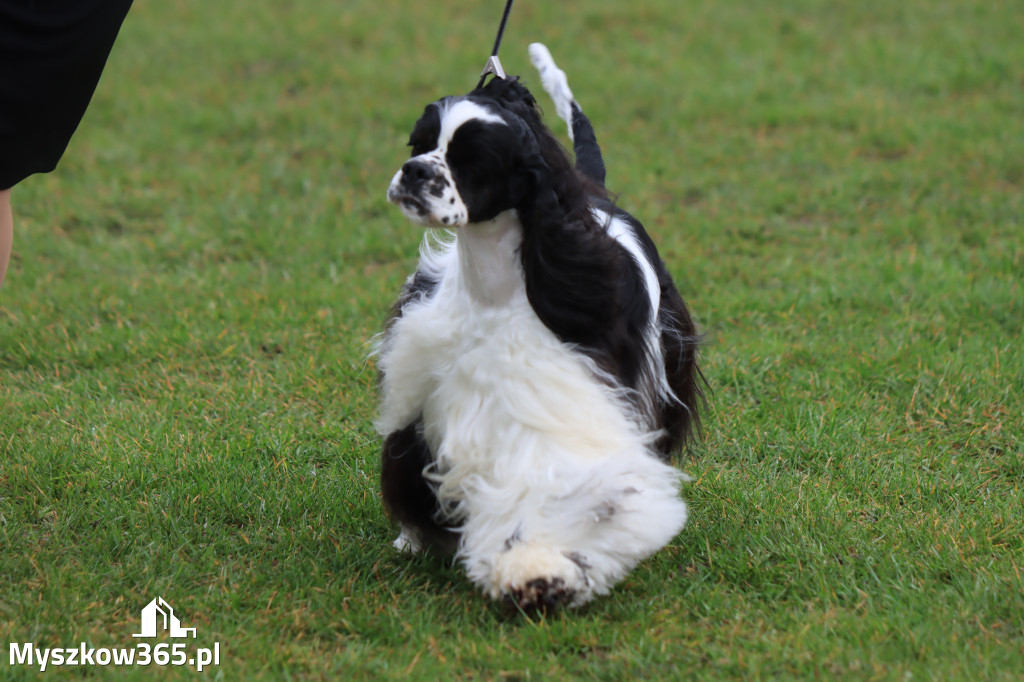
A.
pixel 186 408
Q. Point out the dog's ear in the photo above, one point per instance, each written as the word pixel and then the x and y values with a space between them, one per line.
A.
pixel 530 185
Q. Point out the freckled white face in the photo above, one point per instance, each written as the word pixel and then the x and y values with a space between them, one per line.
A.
pixel 425 191
pixel 425 188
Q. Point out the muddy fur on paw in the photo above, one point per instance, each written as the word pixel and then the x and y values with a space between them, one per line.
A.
pixel 541 595
pixel 538 577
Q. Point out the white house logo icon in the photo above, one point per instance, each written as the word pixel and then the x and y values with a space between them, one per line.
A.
pixel 159 612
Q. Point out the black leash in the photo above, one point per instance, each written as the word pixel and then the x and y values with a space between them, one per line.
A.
pixel 493 65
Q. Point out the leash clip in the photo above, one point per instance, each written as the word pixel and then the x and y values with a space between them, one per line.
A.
pixel 493 66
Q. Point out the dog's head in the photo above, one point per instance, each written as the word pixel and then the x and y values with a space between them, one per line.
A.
pixel 474 156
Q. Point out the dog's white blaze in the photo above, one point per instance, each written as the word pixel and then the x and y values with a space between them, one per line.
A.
pixel 458 112
pixel 542 462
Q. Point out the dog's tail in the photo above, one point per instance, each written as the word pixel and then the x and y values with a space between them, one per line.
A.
pixel 584 142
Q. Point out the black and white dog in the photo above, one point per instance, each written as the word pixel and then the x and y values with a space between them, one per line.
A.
pixel 540 366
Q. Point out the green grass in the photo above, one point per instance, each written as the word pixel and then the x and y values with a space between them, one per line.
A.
pixel 186 409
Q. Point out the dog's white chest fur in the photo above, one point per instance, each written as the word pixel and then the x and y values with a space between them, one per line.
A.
pixel 496 384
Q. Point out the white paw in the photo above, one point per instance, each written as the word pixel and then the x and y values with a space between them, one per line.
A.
pixel 554 81
pixel 407 542
pixel 534 576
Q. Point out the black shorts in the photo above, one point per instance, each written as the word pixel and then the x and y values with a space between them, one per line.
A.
pixel 51 55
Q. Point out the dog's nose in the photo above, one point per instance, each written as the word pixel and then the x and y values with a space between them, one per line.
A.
pixel 415 173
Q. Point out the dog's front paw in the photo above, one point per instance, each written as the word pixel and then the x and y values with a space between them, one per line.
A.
pixel 535 577
pixel 540 594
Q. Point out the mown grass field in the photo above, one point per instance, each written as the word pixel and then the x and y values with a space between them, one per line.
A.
pixel 838 187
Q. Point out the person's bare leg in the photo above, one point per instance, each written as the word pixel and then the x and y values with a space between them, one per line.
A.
pixel 6 232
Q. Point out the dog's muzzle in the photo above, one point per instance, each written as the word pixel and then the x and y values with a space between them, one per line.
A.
pixel 425 192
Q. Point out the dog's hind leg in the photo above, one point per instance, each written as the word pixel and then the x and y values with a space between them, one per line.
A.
pixel 584 141
pixel 408 496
